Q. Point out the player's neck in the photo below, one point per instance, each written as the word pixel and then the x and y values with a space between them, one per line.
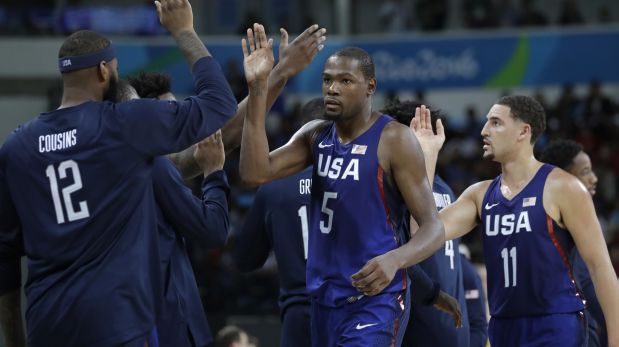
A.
pixel 73 96
pixel 517 173
pixel 350 129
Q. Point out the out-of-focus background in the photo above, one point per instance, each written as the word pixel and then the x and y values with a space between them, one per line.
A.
pixel 455 55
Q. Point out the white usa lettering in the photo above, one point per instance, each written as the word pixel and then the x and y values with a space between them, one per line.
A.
pixel 332 168
pixel 507 224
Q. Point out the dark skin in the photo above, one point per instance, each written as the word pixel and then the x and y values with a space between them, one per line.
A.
pixel 348 101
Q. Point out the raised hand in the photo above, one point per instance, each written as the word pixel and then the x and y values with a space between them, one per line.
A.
pixel 209 153
pixel 375 275
pixel 258 58
pixel 421 125
pixel 294 57
pixel 175 15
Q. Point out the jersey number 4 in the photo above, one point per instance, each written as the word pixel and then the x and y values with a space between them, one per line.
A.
pixel 72 214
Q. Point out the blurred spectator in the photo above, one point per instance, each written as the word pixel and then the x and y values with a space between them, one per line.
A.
pixel 392 16
pixel 431 14
pixel 530 15
pixel 570 13
pixel 479 14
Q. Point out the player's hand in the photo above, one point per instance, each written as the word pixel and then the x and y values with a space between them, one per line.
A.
pixel 421 125
pixel 175 15
pixel 209 153
pixel 294 57
pixel 449 305
pixel 258 57
pixel 375 275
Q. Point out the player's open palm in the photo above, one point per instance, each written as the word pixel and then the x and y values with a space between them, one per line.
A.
pixel 209 153
pixel 294 57
pixel 258 57
pixel 421 125
pixel 375 275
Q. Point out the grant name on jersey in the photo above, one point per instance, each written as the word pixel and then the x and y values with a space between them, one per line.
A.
pixel 507 224
pixel 332 168
pixel 56 142
pixel 305 186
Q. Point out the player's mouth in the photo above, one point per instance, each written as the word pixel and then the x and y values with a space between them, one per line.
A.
pixel 332 103
pixel 592 189
pixel 486 144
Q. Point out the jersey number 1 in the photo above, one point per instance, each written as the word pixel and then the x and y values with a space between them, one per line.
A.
pixel 72 215
pixel 507 255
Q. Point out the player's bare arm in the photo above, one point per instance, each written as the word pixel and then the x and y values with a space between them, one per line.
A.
pixel 462 216
pixel 257 165
pixel 209 154
pixel 568 202
pixel 10 319
pixel 177 17
pixel 293 58
pixel 403 160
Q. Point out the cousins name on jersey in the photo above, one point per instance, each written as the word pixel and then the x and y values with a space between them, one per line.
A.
pixel 56 142
pixel 332 168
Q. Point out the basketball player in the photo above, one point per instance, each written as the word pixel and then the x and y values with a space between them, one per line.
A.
pixel 529 216
pixel 569 156
pixel 77 181
pixel 356 261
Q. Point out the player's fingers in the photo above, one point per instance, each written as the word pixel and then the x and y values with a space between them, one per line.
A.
pixel 158 7
pixel 244 47
pixel 367 269
pixel 307 32
pixel 428 116
pixel 422 117
pixel 283 41
pixel 262 36
pixel 250 39
pixel 440 129
pixel 415 123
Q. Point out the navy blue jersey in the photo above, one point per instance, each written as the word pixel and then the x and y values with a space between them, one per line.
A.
pixel 595 316
pixel 353 215
pixel 475 304
pixel 80 181
pixel 278 221
pixel 180 215
pixel 428 326
pixel 526 254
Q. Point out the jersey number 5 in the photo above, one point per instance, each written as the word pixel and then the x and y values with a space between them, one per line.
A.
pixel 72 215
pixel 325 228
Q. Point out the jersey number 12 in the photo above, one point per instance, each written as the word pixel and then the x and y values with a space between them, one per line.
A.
pixel 72 214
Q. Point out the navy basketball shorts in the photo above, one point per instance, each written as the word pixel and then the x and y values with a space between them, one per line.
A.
pixel 296 326
pixel 371 321
pixel 553 330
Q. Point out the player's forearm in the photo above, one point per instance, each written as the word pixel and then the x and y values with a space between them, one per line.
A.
pixel 428 239
pixel 254 165
pixel 430 159
pixel 607 290
pixel 232 131
pixel 191 46
pixel 10 319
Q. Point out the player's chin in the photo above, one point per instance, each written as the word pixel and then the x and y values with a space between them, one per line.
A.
pixel 488 155
pixel 332 115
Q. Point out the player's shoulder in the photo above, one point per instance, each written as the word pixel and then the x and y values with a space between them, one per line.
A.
pixel 477 191
pixel 561 185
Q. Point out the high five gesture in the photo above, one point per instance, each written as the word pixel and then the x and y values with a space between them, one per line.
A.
pixel 258 58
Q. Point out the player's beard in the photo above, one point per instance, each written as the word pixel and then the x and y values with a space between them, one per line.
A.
pixel 111 94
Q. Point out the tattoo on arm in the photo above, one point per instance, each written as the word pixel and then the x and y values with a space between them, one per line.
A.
pixel 192 47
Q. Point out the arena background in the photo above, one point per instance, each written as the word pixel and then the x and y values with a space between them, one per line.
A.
pixel 455 55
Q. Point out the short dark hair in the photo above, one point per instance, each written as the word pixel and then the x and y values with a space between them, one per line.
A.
pixel 83 42
pixel 528 110
pixel 227 335
pixel 403 111
pixel 561 153
pixel 313 109
pixel 123 91
pixel 366 64
pixel 151 84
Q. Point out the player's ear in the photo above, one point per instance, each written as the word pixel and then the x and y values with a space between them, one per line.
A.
pixel 525 132
pixel 102 71
pixel 371 86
